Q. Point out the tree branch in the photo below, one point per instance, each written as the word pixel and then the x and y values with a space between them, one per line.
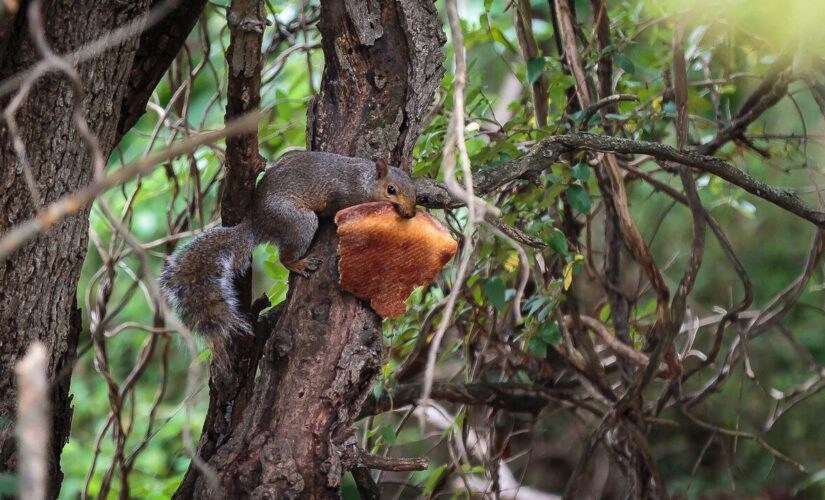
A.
pixel 159 45
pixel 515 397
pixel 613 238
pixel 246 20
pixel 783 198
pixel 392 463
pixel 606 102
pixel 433 194
pixel 232 381
pixel 71 203
pixel 530 50
pixel 366 485
pixel 772 89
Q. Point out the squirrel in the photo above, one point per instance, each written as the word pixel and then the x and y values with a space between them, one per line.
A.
pixel 299 187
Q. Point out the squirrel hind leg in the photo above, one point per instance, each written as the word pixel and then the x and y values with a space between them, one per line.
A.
pixel 303 266
pixel 296 234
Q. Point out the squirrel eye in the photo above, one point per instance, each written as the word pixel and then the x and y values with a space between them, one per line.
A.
pixel 391 189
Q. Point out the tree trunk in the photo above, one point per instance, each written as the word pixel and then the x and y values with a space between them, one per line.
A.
pixel 231 384
pixel 38 283
pixel 383 64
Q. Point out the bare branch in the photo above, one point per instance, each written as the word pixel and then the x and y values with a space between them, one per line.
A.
pixel 514 397
pixel 772 89
pixel 159 44
pixel 603 103
pixel 392 463
pixel 69 204
pixel 530 52
pixel 783 198
pixel 33 422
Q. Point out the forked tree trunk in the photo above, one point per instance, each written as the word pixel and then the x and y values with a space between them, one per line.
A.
pixel 38 283
pixel 383 64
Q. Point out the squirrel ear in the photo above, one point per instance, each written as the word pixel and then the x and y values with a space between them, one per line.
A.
pixel 381 169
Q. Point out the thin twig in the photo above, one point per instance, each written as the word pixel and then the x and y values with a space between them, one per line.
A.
pixel 71 203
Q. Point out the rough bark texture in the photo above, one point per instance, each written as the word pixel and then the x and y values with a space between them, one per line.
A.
pixel 38 283
pixel 383 63
pixel 246 21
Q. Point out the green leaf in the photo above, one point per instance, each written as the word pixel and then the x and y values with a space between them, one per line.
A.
pixel 387 433
pixel 535 68
pixel 432 480
pixel 533 304
pixel 550 333
pixel 274 269
pixel 553 178
pixel 494 290
pixel 816 478
pixel 8 485
pixel 204 356
pixel 487 5
pixel 580 171
pixel 558 242
pixel 469 469
pixel 578 198
pixel 577 266
pixel 277 292
pixel 604 314
pixel 624 62
pixel 499 37
pixel 537 347
pixel 349 490
pixel 546 310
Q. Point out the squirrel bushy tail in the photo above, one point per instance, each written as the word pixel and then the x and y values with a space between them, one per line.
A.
pixel 198 281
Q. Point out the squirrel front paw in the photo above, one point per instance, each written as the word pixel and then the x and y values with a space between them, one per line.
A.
pixel 304 266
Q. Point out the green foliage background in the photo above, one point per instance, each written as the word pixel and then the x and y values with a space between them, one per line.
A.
pixel 771 243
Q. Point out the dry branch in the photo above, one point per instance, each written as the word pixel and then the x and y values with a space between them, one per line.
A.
pixel 159 45
pixel 73 202
pixel 33 423
pixel 392 463
pixel 783 198
pixel 515 397
pixel 550 150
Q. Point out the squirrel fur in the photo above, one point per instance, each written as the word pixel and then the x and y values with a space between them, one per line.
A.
pixel 298 188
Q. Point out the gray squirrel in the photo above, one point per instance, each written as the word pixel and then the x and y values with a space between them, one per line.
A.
pixel 298 188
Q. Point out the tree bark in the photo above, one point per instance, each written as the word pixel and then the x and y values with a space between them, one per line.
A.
pixel 38 283
pixel 383 64
pixel 231 384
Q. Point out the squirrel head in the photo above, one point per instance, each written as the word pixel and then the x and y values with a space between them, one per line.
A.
pixel 395 186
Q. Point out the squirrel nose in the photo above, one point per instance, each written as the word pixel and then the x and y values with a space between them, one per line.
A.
pixel 406 212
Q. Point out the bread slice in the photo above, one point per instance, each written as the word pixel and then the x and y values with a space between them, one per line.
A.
pixel 384 256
